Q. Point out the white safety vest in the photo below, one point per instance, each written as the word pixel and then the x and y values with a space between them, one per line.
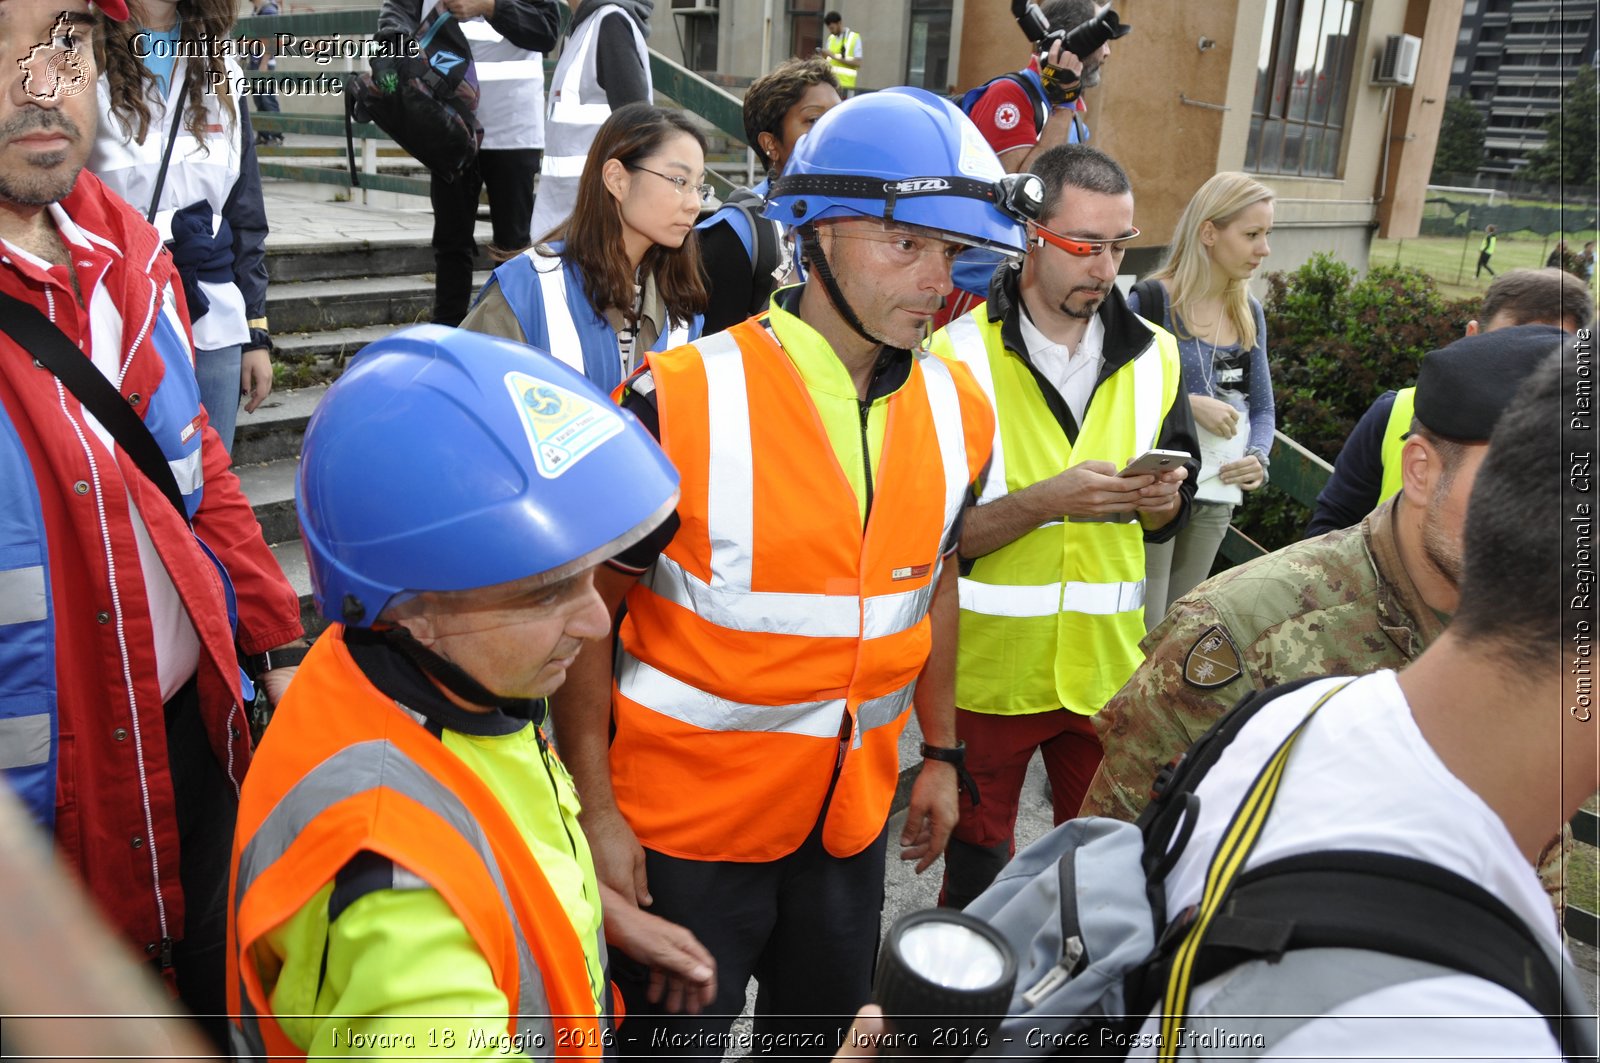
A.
pixel 510 87
pixel 577 109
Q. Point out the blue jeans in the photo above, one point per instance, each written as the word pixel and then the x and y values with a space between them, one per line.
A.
pixel 218 374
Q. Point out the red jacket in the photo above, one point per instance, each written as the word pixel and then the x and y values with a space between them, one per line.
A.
pixel 114 821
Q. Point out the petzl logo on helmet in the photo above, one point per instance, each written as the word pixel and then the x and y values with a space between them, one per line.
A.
pixel 562 426
pixel 916 185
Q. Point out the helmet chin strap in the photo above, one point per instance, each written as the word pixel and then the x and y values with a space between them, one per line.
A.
pixel 453 678
pixel 819 266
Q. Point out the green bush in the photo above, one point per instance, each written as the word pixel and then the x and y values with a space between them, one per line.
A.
pixel 1336 342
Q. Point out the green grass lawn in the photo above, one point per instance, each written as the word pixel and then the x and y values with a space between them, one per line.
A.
pixel 1450 261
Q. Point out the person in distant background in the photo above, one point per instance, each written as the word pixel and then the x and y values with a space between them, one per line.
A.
pixel 743 254
pixel 603 66
pixel 1485 252
pixel 843 49
pixel 266 57
pixel 507 38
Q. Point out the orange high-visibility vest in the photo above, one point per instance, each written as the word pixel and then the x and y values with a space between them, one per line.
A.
pixel 345 769
pixel 772 625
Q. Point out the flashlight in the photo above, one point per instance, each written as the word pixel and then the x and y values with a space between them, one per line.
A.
pixel 944 982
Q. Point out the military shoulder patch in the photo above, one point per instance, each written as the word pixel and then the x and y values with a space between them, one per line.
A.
pixel 1213 660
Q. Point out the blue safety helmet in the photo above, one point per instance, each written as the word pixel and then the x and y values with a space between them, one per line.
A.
pixel 446 460
pixel 906 155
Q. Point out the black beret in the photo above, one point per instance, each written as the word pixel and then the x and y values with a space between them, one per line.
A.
pixel 1463 389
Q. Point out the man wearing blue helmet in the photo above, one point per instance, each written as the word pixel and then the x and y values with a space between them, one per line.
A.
pixel 1052 586
pixel 408 872
pixel 782 628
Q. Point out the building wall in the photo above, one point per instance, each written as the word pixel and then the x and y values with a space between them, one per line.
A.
pixel 1418 110
pixel 1513 60
pixel 883 25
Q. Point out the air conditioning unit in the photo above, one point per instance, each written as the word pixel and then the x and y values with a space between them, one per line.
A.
pixel 694 7
pixel 1398 63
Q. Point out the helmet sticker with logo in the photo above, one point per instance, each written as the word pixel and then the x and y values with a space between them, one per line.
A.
pixel 977 158
pixel 562 426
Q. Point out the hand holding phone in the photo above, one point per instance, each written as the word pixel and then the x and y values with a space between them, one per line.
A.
pixel 1153 462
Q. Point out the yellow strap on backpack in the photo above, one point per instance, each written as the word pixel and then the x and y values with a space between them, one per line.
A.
pixel 1234 849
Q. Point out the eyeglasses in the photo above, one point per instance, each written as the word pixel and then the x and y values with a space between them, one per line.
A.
pixel 681 183
pixel 1084 248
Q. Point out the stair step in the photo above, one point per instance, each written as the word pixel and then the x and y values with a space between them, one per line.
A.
pixel 292 559
pixel 332 261
pixel 274 430
pixel 329 344
pixel 270 488
pixel 313 306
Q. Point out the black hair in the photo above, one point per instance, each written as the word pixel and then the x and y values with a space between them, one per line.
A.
pixel 832 16
pixel 1516 544
pixel 1077 166
pixel 1067 14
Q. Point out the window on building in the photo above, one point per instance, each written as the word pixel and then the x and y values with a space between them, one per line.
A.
pixel 928 51
pixel 1459 65
pixel 1303 79
pixel 697 36
pixel 1469 9
pixel 806 32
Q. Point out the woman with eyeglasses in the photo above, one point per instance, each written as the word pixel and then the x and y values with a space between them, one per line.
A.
pixel 1200 294
pixel 621 275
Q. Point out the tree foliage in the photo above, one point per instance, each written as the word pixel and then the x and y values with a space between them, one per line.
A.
pixel 1461 134
pixel 1336 342
pixel 1568 154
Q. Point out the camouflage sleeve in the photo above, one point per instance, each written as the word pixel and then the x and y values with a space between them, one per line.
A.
pixel 1193 673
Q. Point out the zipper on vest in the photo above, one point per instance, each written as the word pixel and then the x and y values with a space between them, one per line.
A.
pixel 866 457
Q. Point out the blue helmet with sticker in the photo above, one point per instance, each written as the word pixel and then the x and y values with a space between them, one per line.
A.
pixel 447 460
pixel 908 156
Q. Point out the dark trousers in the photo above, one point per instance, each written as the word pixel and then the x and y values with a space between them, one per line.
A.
pixel 998 751
pixel 804 926
pixel 207 808
pixel 509 175
pixel 1483 264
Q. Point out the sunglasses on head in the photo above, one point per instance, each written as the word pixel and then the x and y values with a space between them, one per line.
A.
pixel 1083 248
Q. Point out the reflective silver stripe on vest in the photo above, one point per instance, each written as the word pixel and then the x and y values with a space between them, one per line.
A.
pixel 967 341
pixel 1149 394
pixel 944 405
pixel 730 472
pixel 565 345
pixel 189 473
pixel 1047 599
pixel 677 335
pixel 22 595
pixel 368 765
pixel 659 692
pixel 25 741
pixel 810 615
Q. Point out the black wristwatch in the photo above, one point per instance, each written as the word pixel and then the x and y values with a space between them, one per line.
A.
pixel 259 664
pixel 958 757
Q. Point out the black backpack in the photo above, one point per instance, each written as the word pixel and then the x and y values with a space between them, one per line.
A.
pixel 430 106
pixel 768 250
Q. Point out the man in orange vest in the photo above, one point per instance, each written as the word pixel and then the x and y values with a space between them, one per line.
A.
pixel 409 876
pixel 782 626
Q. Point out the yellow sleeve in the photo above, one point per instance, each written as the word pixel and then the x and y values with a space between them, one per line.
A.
pixel 403 978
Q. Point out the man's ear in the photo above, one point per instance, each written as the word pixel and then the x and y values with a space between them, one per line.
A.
pixel 1472 327
pixel 1419 470
pixel 420 626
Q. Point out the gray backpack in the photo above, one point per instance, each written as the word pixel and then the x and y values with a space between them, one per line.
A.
pixel 1084 910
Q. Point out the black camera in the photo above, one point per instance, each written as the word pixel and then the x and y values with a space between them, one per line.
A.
pixel 1082 40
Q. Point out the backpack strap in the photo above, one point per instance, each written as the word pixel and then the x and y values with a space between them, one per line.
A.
pixel 1397 905
pixel 767 248
pixel 1152 300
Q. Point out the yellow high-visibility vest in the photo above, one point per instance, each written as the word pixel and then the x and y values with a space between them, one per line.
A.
pixel 1394 433
pixel 1054 618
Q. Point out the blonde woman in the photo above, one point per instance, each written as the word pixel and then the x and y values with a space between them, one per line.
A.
pixel 1200 294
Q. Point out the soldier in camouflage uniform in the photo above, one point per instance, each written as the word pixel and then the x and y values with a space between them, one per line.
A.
pixel 1346 603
